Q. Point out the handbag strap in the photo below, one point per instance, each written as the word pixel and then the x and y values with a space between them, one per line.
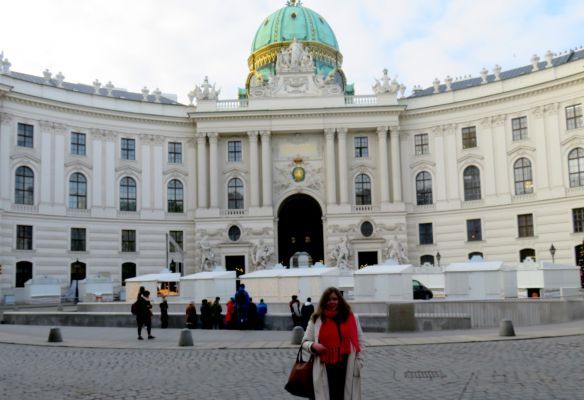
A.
pixel 299 356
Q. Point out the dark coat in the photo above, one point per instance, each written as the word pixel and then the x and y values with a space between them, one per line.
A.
pixel 144 309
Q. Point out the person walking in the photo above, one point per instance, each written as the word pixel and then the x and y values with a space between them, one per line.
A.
pixel 306 311
pixel 191 316
pixel 216 311
pixel 164 313
pixel 262 309
pixel 205 314
pixel 295 311
pixel 335 336
pixel 241 306
pixel 144 314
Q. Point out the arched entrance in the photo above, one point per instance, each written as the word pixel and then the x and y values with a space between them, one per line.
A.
pixel 300 228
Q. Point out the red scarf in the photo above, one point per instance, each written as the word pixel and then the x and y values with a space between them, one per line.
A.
pixel 329 337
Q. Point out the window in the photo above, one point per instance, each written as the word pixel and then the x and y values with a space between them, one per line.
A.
pixel 578 218
pixel 234 233
pixel 525 225
pixel 77 191
pixel 128 271
pixel 23 272
pixel 78 143
pixel 128 241
pixel 472 183
pixel 25 135
pixel 427 258
pixel 78 239
pixel 175 196
pixel 473 230
pixel 574 117
pixel 128 149
pixel 127 194
pixel 23 237
pixel 421 142
pixel 423 188
pixel 174 153
pixel 24 186
pixel 178 238
pixel 477 254
pixel 524 253
pixel 234 151
pixel 576 167
pixel 362 190
pixel 235 194
pixel 519 128
pixel 469 137
pixel 361 147
pixel 426 234
pixel 522 174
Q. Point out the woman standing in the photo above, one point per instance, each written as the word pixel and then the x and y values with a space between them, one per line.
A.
pixel 164 313
pixel 144 314
pixel 334 335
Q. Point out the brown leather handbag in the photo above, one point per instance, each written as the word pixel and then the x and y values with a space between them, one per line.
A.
pixel 300 379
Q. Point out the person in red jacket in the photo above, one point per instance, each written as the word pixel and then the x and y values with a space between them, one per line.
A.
pixel 230 313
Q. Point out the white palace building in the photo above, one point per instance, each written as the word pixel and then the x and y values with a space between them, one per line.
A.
pixel 93 178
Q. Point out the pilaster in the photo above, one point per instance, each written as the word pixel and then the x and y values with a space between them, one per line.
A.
pixel 331 188
pixel 343 165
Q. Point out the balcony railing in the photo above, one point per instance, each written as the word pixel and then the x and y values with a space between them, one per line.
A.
pixel 360 100
pixel 231 104
pixel 240 212
pixel 24 208
pixel 364 208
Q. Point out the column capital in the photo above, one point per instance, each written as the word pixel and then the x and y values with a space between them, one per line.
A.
pixel 53 127
pixel 5 118
pixel 382 129
pixel 253 136
pixel 201 137
pixel 393 128
pixel 265 133
pixel 329 133
pixel 342 133
pixel 213 137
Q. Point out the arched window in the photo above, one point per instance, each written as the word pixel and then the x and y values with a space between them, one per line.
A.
pixel 127 194
pixel 576 167
pixel 423 188
pixel 235 194
pixel 427 258
pixel 24 186
pixel 523 176
pixel 23 272
pixel 128 271
pixel 175 196
pixel 524 253
pixel 472 183
pixel 77 191
pixel 362 190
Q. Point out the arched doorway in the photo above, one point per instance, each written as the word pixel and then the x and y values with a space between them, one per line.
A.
pixel 300 228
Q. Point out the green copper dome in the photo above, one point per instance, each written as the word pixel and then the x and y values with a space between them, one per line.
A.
pixel 294 21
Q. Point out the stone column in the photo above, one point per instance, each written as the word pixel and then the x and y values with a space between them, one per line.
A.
pixel 343 178
pixel 439 182
pixel 213 169
pixel 202 170
pixel 46 147
pixel 554 146
pixel 485 142
pixel 254 198
pixel 191 164
pixel 383 166
pixel 540 169
pixel 395 165
pixel 266 169
pixel 5 146
pixel 331 187
pixel 499 143
pixel 97 181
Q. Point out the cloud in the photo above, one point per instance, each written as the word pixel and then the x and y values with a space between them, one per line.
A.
pixel 173 44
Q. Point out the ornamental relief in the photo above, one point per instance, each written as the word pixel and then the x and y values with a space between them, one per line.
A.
pixel 284 180
pixel 52 127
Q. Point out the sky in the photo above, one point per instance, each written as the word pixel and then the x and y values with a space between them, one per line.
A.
pixel 174 44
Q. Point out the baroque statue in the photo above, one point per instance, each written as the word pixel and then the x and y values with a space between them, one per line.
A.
pixel 396 251
pixel 204 92
pixel 207 255
pixel 341 253
pixel 260 255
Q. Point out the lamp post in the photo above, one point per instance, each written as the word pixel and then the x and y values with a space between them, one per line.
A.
pixel 438 257
pixel 553 253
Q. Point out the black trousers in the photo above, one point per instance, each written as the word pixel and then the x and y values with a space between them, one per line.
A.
pixel 144 322
pixel 336 374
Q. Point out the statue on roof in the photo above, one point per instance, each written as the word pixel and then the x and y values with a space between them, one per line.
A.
pixel 386 84
pixel 204 92
pixel 294 58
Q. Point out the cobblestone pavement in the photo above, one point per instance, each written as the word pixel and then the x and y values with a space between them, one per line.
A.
pixel 524 369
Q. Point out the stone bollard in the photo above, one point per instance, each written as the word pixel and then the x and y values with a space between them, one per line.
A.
pixel 506 328
pixel 55 335
pixel 186 338
pixel 297 335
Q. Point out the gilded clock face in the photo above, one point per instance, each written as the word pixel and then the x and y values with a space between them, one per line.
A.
pixel 298 174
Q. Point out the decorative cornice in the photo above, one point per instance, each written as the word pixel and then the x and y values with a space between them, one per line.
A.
pixel 521 149
pixel 78 163
pixel 126 167
pixel 176 170
pixel 423 163
pixel 21 156
pixel 574 140
pixel 470 157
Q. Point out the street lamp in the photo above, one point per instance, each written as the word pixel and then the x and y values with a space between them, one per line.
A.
pixel 553 253
pixel 438 257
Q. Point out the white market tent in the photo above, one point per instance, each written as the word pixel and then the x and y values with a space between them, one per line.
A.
pixel 42 289
pixel 384 283
pixel 548 279
pixel 278 285
pixel 96 288
pixel 479 280
pixel 151 282
pixel 208 285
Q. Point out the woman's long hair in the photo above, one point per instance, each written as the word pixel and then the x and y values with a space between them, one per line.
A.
pixel 344 309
